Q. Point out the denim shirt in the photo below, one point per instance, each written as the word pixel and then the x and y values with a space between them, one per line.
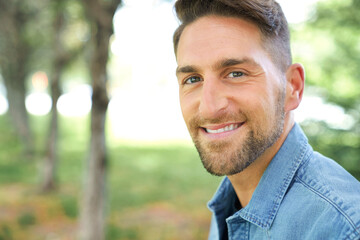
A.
pixel 301 195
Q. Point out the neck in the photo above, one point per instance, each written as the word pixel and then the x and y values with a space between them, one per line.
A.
pixel 245 182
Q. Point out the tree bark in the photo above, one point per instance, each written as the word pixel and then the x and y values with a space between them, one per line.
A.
pixel 14 55
pixel 61 58
pixel 92 218
pixel 51 157
pixel 59 62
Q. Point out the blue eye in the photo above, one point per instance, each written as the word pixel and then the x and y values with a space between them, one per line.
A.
pixel 192 79
pixel 236 74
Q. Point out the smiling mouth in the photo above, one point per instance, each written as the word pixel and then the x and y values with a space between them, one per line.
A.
pixel 227 128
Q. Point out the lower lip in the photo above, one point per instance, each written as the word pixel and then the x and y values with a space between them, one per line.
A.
pixel 222 134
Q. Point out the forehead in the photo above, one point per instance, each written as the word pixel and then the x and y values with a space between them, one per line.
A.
pixel 215 36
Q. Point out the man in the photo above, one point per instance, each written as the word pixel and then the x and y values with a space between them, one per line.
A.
pixel 238 88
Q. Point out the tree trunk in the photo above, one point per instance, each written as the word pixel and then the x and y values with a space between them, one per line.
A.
pixel 59 62
pixel 49 167
pixel 14 55
pixel 15 86
pixel 92 218
pixel 62 57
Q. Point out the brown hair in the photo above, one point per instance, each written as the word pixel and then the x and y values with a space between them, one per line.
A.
pixel 265 14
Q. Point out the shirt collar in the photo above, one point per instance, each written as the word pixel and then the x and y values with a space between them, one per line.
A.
pixel 273 185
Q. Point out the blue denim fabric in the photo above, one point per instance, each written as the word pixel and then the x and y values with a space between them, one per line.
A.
pixel 301 195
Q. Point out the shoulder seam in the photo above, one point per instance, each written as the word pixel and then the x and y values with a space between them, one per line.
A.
pixel 357 229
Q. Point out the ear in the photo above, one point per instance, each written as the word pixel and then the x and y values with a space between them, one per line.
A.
pixel 295 76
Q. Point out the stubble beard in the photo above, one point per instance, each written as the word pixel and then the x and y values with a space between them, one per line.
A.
pixel 220 158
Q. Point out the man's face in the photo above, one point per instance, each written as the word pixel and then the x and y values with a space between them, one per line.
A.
pixel 231 94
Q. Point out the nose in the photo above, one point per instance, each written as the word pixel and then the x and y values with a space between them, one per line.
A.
pixel 213 99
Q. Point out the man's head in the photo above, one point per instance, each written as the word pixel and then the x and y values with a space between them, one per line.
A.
pixel 265 14
pixel 235 93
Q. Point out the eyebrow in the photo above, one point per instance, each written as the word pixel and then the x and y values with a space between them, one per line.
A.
pixel 234 61
pixel 224 63
pixel 186 69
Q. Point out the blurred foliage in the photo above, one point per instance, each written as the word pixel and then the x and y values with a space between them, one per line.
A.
pixel 36 32
pixel 23 27
pixel 114 232
pixel 27 219
pixel 329 47
pixel 69 205
pixel 5 233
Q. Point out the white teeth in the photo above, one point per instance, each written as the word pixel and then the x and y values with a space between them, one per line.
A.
pixel 225 129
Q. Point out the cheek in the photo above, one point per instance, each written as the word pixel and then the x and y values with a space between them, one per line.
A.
pixel 257 107
pixel 268 110
pixel 187 107
pixel 249 100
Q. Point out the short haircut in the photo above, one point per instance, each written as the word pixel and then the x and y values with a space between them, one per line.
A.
pixel 267 15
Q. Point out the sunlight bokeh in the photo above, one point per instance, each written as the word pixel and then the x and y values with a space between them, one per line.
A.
pixel 299 11
pixel 38 103
pixel 76 102
pixel 4 106
pixel 145 104
pixel 314 108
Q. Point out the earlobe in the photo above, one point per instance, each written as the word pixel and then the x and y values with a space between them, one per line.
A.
pixel 295 82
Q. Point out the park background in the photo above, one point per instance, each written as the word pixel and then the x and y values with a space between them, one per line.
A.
pixel 153 185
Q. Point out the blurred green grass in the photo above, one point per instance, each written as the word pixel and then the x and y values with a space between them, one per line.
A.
pixel 153 192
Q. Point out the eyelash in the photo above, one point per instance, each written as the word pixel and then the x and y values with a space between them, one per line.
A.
pixel 191 77
pixel 237 72
pixel 199 79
